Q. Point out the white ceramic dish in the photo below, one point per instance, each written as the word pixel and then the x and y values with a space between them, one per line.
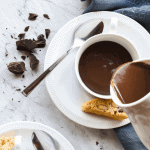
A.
pixel 26 128
pixel 62 83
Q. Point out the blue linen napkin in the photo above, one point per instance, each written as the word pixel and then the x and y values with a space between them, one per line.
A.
pixel 138 10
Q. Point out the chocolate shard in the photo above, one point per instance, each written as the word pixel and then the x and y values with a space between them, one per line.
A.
pixel 41 44
pixel 32 16
pixel 33 62
pixel 23 57
pixel 21 36
pixel 16 67
pixel 26 28
pixel 47 32
pixel 46 16
pixel 26 45
pixel 40 37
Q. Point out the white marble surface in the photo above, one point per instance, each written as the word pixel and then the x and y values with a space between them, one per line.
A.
pixel 38 107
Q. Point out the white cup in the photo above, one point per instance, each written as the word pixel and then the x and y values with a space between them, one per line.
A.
pixel 111 36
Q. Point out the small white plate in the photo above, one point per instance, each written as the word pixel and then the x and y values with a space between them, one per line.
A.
pixel 26 128
pixel 62 83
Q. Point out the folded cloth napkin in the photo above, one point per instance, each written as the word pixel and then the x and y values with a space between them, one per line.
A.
pixel 129 138
pixel 138 10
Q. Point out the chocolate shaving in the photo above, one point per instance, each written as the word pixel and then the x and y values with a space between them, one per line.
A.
pixel 23 57
pixel 40 37
pixel 21 36
pixel 23 76
pixel 33 62
pixel 47 32
pixel 26 45
pixel 11 36
pixel 46 16
pixel 16 67
pixel 26 28
pixel 6 54
pixel 32 16
pixel 97 143
pixel 18 89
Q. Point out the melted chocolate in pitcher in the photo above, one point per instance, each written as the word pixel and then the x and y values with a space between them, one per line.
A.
pixel 98 62
pixel 132 81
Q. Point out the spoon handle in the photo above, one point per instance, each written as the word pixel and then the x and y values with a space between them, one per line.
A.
pixel 32 86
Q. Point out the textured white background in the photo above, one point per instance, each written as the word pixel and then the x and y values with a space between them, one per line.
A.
pixel 38 107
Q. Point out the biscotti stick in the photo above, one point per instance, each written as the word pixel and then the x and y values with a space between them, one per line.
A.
pixel 105 108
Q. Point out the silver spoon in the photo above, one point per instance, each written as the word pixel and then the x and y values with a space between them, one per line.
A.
pixel 79 38
pixel 43 141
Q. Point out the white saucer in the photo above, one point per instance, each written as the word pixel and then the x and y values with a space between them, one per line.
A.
pixel 62 83
pixel 26 128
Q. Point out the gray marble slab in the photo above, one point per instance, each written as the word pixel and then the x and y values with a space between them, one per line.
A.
pixel 38 107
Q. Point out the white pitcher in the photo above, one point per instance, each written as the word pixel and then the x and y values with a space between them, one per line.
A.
pixel 138 113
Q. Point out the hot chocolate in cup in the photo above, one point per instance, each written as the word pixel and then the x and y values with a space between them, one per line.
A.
pixel 98 58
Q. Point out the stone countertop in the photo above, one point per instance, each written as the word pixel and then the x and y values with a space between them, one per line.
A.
pixel 38 107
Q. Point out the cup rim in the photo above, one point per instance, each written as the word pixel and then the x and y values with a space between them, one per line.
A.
pixel 133 103
pixel 78 56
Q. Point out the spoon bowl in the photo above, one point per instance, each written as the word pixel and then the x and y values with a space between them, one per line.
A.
pixel 43 141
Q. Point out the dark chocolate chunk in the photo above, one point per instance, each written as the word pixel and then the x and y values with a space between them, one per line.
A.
pixel 41 44
pixel 32 16
pixel 23 57
pixel 23 76
pixel 33 62
pixel 97 143
pixel 120 110
pixel 47 32
pixel 26 28
pixel 21 36
pixel 40 37
pixel 11 36
pixel 17 67
pixel 26 45
pixel 46 16
pixel 115 112
pixel 18 89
